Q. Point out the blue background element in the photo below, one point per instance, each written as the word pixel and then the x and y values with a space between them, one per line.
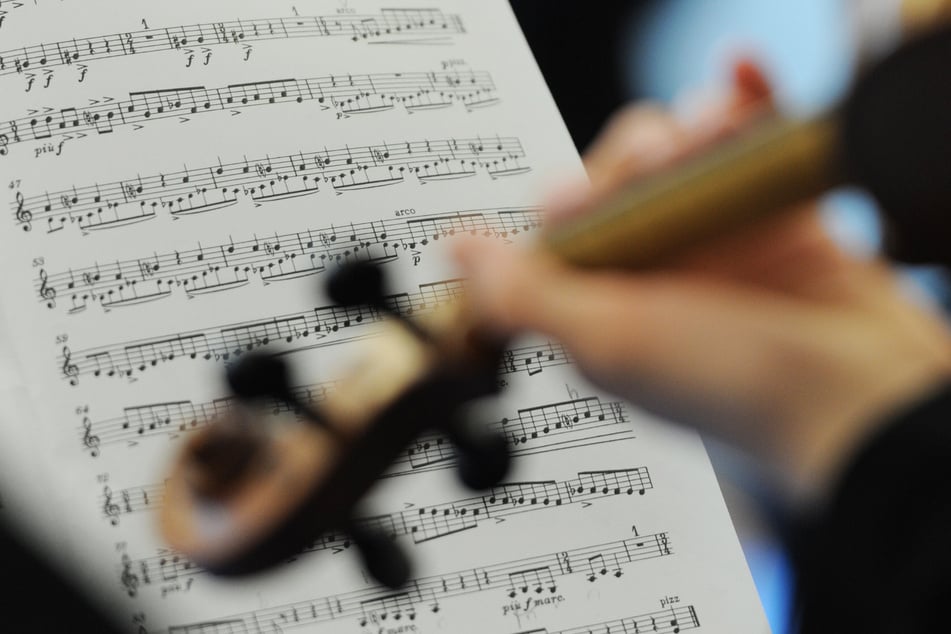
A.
pixel 808 48
pixel 806 45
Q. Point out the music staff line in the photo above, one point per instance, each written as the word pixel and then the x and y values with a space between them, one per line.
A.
pixel 421 524
pixel 178 417
pixel 543 427
pixel 195 191
pixel 348 94
pixel 538 429
pixel 388 26
pixel 148 498
pixel 529 576
pixel 669 621
pixel 224 343
pixel 227 266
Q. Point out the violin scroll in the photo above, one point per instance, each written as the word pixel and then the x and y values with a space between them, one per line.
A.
pixel 255 488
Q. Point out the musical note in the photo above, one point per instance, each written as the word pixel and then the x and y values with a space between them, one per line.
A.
pixel 192 192
pixel 435 452
pixel 224 343
pixel 393 607
pixel 376 605
pixel 212 269
pixel 404 26
pixel 422 523
pixel 134 500
pixel 177 417
pixel 414 91
pixel 598 567
pixel 612 482
pixel 553 419
pixel 175 210
pixel 671 621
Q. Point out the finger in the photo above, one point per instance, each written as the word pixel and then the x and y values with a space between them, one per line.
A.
pixel 790 252
pixel 647 336
pixel 749 93
pixel 645 138
pixel 648 135
pixel 751 83
pixel 635 140
pixel 636 136
pixel 567 198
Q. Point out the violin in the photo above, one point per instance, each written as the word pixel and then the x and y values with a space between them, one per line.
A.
pixel 253 488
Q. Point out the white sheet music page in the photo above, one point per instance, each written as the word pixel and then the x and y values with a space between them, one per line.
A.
pixel 178 179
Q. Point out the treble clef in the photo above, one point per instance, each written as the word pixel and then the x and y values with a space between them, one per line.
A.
pixel 70 369
pixel 130 580
pixel 109 508
pixel 90 440
pixel 24 216
pixel 47 292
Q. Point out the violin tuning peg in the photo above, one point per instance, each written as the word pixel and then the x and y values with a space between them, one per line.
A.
pixel 383 558
pixel 364 284
pixel 356 284
pixel 487 466
pixel 258 375
pixel 482 457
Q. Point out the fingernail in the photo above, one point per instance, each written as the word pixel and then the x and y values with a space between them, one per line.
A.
pixel 750 80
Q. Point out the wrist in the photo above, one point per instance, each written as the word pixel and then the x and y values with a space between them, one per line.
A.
pixel 860 397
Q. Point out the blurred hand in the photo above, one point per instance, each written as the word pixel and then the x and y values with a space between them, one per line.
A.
pixel 771 338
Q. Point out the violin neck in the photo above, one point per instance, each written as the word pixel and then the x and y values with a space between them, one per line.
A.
pixel 774 165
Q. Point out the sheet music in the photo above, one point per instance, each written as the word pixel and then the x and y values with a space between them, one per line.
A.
pixel 178 180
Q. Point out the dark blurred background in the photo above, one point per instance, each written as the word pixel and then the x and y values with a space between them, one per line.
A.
pixel 579 50
pixel 597 56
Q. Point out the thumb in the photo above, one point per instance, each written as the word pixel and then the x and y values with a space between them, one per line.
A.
pixel 513 289
pixel 681 345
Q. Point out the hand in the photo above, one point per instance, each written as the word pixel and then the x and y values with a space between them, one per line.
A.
pixel 771 338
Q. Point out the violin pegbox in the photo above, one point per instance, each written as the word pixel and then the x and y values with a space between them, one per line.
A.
pixel 482 457
pixel 261 483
